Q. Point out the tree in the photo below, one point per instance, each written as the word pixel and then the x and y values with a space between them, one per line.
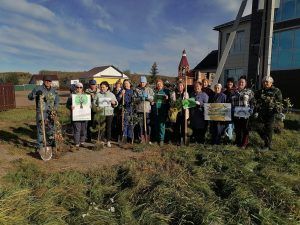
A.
pixel 153 73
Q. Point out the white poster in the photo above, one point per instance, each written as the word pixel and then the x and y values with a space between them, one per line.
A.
pixel 104 102
pixel 244 112
pixel 82 107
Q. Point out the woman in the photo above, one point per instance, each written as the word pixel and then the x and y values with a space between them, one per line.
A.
pixel 198 124
pixel 117 120
pixel 106 110
pixel 242 102
pixel 217 127
pixel 206 88
pixel 176 100
pixel 160 109
pixel 229 91
pixel 127 98
pixel 79 127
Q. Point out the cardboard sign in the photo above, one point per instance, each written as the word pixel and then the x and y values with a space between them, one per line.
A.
pixel 217 111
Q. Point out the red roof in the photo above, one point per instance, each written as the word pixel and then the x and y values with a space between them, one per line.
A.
pixel 184 64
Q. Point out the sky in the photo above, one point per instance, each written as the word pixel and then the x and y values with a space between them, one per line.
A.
pixel 78 35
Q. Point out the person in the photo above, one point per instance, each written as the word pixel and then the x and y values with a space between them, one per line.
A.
pixel 229 91
pixel 50 101
pixel 106 110
pixel 242 102
pixel 144 96
pixel 176 99
pixel 127 98
pixel 118 111
pixel 206 88
pixel 160 111
pixel 92 91
pixel 268 104
pixel 198 124
pixel 217 127
pixel 79 127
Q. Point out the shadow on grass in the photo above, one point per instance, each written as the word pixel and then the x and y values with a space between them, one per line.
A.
pixel 15 139
pixel 25 131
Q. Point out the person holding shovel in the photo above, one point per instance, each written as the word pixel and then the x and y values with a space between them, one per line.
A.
pixel 144 97
pixel 50 101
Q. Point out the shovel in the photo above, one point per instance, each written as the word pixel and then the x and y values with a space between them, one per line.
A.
pixel 46 151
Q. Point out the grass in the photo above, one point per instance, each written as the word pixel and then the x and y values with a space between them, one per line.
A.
pixel 201 184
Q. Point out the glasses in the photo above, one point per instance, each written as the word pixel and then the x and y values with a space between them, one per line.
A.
pixel 79 87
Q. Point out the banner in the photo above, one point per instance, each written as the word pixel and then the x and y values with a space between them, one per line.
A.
pixel 217 111
pixel 82 107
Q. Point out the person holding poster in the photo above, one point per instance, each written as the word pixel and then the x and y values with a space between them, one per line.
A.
pixel 80 106
pixel 217 127
pixel 198 124
pixel 105 102
pixel 242 105
pixel 160 109
pixel 176 101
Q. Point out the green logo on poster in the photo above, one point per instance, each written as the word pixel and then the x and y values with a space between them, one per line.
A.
pixel 81 100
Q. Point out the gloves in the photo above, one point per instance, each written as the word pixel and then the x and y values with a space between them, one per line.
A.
pixel 39 92
pixel 197 103
pixel 255 115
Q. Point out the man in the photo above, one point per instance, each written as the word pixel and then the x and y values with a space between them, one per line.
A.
pixel 144 96
pixel 49 96
pixel 268 100
pixel 92 91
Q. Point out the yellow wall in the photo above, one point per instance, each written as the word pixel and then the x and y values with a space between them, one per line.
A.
pixel 109 80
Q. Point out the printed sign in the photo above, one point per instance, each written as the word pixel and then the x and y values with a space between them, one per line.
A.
pixel 244 112
pixel 82 107
pixel 217 111
pixel 104 102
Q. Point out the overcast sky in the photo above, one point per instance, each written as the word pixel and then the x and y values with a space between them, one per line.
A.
pixel 77 35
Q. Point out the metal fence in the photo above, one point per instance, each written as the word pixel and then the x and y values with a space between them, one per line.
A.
pixel 7 97
pixel 25 87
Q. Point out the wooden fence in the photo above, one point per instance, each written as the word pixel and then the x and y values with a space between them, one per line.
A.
pixel 7 97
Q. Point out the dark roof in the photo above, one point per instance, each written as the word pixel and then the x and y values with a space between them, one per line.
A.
pixel 36 77
pixel 96 70
pixel 243 20
pixel 209 62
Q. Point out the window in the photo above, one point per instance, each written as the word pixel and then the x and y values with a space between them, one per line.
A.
pixel 235 73
pixel 288 9
pixel 286 49
pixel 238 45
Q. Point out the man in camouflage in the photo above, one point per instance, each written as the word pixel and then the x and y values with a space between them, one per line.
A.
pixel 268 104
pixel 50 100
pixel 92 91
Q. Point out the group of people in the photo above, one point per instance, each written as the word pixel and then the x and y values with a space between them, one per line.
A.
pixel 143 114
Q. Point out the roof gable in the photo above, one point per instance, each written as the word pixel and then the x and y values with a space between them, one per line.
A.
pixel 104 71
pixel 209 62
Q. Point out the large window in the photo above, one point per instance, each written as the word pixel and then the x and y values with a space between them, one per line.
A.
pixel 235 73
pixel 288 9
pixel 238 45
pixel 286 50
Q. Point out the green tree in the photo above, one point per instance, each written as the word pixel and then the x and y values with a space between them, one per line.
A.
pixel 153 73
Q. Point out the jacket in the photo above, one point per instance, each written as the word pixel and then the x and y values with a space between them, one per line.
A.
pixel 146 94
pixel 108 110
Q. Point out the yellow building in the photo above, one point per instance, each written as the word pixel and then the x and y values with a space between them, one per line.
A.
pixel 103 73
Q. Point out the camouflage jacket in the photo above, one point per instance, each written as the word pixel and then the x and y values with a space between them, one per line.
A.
pixel 51 98
pixel 268 101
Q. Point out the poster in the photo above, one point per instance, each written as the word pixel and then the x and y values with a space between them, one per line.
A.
pixel 82 107
pixel 217 111
pixel 243 112
pixel 104 102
